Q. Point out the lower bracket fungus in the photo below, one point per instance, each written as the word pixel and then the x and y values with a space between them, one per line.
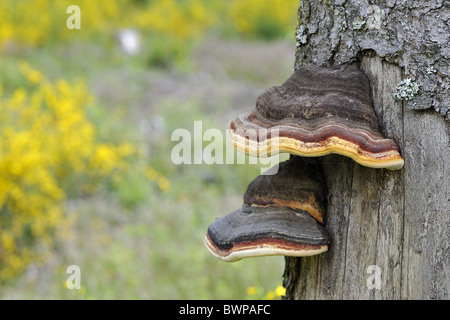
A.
pixel 281 215
pixel 319 111
pixel 263 231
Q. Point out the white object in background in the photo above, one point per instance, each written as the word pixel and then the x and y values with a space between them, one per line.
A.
pixel 129 40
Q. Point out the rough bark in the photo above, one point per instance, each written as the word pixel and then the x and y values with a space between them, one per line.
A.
pixel 412 34
pixel 397 221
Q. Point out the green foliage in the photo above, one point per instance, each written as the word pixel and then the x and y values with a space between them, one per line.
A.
pixel 164 53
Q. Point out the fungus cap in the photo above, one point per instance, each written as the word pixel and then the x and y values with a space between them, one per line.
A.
pixel 282 214
pixel 265 231
pixel 318 111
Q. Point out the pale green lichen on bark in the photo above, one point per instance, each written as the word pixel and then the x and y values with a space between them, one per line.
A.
pixel 406 90
pixel 359 23
pixel 301 36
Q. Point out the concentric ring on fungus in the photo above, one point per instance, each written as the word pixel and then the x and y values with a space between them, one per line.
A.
pixel 318 111
pixel 282 214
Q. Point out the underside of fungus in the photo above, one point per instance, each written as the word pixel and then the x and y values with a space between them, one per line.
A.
pixel 317 111
pixel 298 184
pixel 282 214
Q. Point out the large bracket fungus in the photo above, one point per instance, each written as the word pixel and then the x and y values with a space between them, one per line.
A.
pixel 319 111
pixel 282 214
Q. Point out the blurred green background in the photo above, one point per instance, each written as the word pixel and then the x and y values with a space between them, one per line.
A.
pixel 86 117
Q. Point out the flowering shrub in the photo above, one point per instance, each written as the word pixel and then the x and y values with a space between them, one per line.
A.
pixel 266 19
pixel 45 20
pixel 49 150
pixel 182 19
pixel 40 22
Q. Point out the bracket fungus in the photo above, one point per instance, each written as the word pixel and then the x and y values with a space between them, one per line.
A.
pixel 282 214
pixel 298 185
pixel 318 111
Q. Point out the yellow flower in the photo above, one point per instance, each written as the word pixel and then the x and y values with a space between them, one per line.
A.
pixel 126 149
pixel 163 184
pixel 35 77
pixel 270 295
pixel 152 174
pixel 251 291
pixel 7 242
pixel 280 291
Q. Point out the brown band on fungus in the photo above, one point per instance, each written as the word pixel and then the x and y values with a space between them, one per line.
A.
pixel 263 247
pixel 318 111
pixel 310 205
pixel 298 184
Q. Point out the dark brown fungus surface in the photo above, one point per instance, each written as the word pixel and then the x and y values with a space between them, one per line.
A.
pixel 264 231
pixel 280 216
pixel 317 111
pixel 298 184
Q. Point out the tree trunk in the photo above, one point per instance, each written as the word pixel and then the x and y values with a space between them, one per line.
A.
pixel 390 230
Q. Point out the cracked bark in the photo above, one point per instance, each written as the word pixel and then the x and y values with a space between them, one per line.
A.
pixel 414 35
pixel 398 221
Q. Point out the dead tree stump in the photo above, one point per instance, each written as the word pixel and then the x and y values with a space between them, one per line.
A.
pixel 390 230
